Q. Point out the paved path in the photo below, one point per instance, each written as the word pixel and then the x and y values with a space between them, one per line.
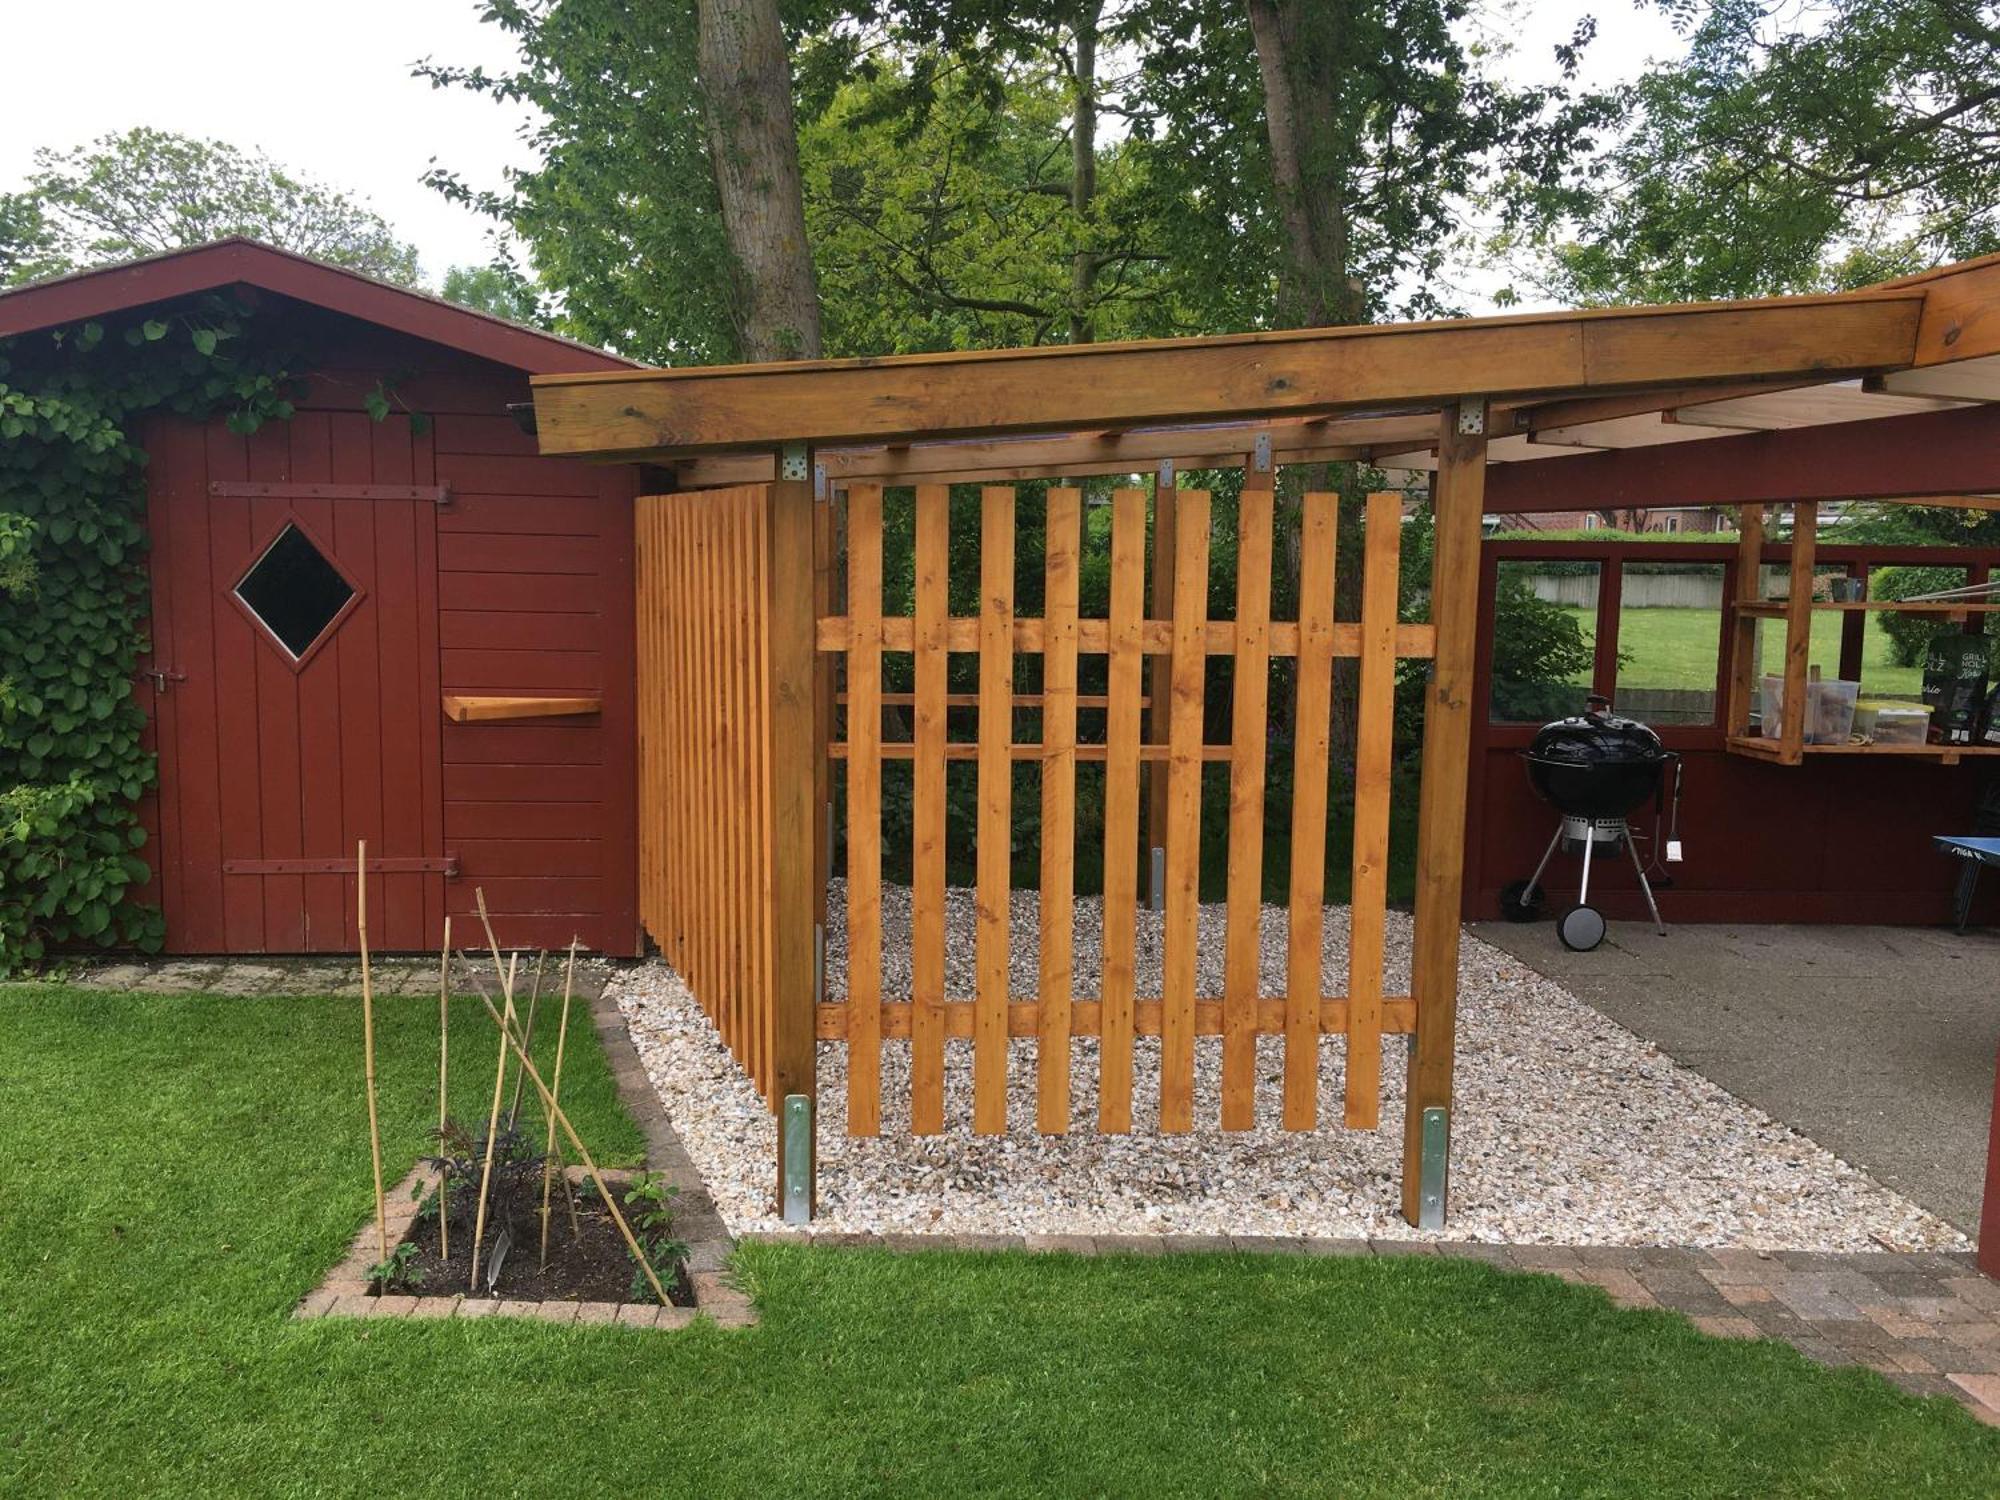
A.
pixel 1878 1042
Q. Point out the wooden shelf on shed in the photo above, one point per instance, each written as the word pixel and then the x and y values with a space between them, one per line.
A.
pixel 468 708
pixel 1757 747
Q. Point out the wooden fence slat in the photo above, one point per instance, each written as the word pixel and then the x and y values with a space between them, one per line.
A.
pixel 1166 514
pixel 1318 530
pixel 1369 893
pixel 1121 808
pixel 864 811
pixel 1184 762
pixel 927 811
pixel 1064 527
pixel 1251 688
pixel 993 851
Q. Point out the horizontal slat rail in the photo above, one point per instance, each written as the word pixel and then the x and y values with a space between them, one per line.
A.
pixel 1044 720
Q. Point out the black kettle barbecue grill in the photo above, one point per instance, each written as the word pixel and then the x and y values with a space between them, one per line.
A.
pixel 1596 770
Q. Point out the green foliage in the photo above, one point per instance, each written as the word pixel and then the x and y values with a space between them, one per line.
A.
pixel 146 191
pixel 498 288
pixel 649 1205
pixel 1798 148
pixel 1910 634
pixel 73 601
pixel 399 1270
pixel 1537 648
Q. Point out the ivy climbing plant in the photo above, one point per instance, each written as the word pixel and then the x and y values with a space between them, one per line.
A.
pixel 73 599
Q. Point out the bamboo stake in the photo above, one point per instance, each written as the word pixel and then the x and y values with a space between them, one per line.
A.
pixel 556 1113
pixel 555 1093
pixel 444 1089
pixel 528 1040
pixel 492 1124
pixel 368 1039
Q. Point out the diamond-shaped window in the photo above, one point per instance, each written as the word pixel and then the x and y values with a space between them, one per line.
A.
pixel 294 591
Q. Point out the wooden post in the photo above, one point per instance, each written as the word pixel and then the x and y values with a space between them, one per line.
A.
pixel 793 758
pixel 1459 497
pixel 1798 631
pixel 1743 631
pixel 368 1040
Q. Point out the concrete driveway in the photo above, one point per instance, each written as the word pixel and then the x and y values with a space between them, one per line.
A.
pixel 1878 1042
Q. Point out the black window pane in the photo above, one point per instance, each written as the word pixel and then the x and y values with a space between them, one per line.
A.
pixel 294 590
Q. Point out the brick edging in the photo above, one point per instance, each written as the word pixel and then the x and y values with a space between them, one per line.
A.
pixel 344 1293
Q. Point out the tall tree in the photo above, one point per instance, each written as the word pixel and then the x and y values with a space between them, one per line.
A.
pixel 147 191
pixel 746 89
pixel 1796 148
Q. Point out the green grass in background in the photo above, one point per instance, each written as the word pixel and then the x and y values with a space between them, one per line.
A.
pixel 1680 648
pixel 176 1173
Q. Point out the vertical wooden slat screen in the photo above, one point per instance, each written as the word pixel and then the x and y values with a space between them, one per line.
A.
pixel 723 827
pixel 708 838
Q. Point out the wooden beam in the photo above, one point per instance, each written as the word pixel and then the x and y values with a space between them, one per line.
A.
pixel 903 398
pixel 1448 707
pixel 1934 453
pixel 1576 411
pixel 1067 455
pixel 472 708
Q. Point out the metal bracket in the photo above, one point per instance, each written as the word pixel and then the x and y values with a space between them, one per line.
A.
pixel 794 462
pixel 1156 884
pixel 1472 417
pixel 797 1187
pixel 820 490
pixel 1166 479
pixel 1432 1164
pixel 1260 453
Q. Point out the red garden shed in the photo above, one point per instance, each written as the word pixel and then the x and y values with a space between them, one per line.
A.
pixel 409 629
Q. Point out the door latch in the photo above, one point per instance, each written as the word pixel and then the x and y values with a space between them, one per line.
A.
pixel 161 677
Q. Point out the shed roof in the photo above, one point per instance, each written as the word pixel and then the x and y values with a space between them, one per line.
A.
pixel 1561 385
pixel 245 262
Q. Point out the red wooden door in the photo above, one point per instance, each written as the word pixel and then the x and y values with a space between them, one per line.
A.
pixel 295 684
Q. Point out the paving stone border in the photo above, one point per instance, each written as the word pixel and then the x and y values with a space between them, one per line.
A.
pixel 345 1293
pixel 1928 1321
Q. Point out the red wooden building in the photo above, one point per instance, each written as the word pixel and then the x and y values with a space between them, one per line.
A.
pixel 417 633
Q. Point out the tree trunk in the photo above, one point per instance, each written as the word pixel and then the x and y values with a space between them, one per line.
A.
pixel 1083 165
pixel 1301 60
pixel 746 81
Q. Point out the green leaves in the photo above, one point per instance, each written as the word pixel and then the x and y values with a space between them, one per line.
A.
pixel 73 593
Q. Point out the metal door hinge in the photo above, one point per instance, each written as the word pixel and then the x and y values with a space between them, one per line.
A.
pixel 161 677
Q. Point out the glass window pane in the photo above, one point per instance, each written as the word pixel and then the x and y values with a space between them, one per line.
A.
pixel 294 591
pixel 1669 641
pixel 1544 639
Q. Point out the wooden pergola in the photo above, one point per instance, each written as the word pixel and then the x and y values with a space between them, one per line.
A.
pixel 1882 393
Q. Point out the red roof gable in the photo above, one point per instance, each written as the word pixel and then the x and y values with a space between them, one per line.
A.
pixel 241 262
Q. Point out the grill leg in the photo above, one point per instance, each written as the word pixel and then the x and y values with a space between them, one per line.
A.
pixel 1640 870
pixel 1589 841
pixel 1528 893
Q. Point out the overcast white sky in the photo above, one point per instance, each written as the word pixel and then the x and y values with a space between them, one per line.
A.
pixel 326 89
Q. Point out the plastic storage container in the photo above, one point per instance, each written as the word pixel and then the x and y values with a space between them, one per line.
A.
pixel 1829 710
pixel 1901 724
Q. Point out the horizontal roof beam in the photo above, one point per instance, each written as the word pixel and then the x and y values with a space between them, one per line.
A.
pixel 663 413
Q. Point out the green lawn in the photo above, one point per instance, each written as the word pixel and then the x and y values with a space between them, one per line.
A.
pixel 176 1173
pixel 1679 648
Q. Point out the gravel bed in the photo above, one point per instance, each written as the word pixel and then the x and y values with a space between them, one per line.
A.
pixel 1567 1129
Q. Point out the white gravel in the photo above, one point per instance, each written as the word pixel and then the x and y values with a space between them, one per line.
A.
pixel 1567 1128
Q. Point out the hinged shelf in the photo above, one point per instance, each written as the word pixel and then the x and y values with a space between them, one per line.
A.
pixel 1788 747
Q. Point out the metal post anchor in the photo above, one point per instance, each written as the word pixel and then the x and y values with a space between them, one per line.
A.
pixel 1433 1165
pixel 797 1125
